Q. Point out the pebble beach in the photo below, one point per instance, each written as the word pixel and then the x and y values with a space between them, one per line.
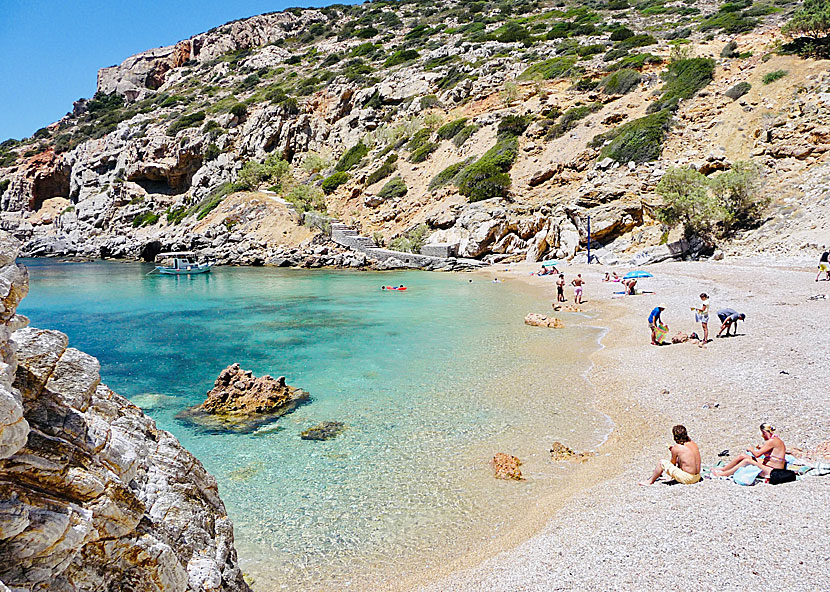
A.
pixel 615 535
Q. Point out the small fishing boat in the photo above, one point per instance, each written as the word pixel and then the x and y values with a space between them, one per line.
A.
pixel 180 263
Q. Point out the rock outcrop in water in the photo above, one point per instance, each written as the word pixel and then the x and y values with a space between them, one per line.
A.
pixel 240 402
pixel 92 495
pixel 506 467
pixel 560 452
pixel 324 431
pixel 535 319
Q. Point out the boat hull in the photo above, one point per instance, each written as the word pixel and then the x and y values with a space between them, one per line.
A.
pixel 191 271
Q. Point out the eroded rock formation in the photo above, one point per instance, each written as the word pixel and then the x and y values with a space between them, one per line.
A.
pixel 506 467
pixel 241 402
pixel 539 320
pixel 560 452
pixel 92 495
pixel 324 431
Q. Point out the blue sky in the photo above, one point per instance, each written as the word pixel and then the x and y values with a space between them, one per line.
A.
pixel 50 51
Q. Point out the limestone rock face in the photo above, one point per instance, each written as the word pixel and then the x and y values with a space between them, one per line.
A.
pixel 240 402
pixel 92 495
pixel 539 320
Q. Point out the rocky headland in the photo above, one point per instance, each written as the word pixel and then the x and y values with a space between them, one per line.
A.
pixel 92 495
pixel 493 134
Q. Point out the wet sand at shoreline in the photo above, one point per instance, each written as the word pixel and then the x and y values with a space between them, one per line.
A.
pixel 603 531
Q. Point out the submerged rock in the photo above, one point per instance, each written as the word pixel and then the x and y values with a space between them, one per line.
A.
pixel 93 496
pixel 560 452
pixel 240 402
pixel 539 320
pixel 507 467
pixel 324 431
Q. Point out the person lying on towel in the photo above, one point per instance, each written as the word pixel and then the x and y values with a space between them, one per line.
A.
pixel 684 465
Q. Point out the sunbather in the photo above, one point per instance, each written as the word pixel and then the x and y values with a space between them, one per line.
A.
pixel 684 465
pixel 767 456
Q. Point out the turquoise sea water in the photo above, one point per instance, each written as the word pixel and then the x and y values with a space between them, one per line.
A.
pixel 431 383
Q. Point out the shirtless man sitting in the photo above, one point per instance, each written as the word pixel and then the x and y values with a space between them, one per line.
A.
pixel 684 466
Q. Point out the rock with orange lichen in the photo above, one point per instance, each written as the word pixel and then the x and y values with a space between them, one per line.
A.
pixel 539 320
pixel 507 467
pixel 560 452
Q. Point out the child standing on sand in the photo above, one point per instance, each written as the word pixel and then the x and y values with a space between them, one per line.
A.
pixel 702 317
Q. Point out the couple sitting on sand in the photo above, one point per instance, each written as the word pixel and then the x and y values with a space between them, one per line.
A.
pixel 684 465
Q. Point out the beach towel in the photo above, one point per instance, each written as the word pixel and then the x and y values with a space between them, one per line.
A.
pixel 746 475
pixel 661 332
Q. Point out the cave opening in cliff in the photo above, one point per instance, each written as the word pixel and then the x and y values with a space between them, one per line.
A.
pixel 54 183
pixel 150 250
pixel 154 185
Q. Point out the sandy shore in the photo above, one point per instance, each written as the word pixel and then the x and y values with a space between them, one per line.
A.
pixel 615 535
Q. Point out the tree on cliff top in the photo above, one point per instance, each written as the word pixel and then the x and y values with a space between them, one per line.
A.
pixel 811 20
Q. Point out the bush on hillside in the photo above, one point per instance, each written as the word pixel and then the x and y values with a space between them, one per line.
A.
pixel 729 21
pixel 448 130
pixel 212 200
pixel 384 170
pixel 411 241
pixel 620 82
pixel 621 33
pixel 640 140
pixel 812 19
pixel 253 174
pixel 239 110
pixel 568 120
pixel 641 40
pixel 333 181
pixel 682 80
pixel 393 188
pixel 737 192
pixel 418 139
pixel 185 121
pixel 4 184
pixel 513 125
pixel 401 56
pixel 636 62
pixel 352 157
pixel 560 67
pixel 687 201
pixel 464 134
pixel 446 176
pixel 422 152
pixel 589 50
pixel 487 177
pixel 145 219
pixel 739 90
pixel 306 198
pixel 730 50
pixel 771 77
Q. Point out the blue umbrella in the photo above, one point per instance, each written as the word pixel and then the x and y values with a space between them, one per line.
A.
pixel 550 263
pixel 635 275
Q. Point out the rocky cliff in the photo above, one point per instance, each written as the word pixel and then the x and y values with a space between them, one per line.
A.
pixel 494 130
pixel 92 495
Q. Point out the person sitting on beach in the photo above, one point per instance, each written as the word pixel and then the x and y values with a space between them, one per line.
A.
pixel 684 465
pixel 653 320
pixel 767 456
pixel 702 317
pixel 560 288
pixel 607 277
pixel 614 276
pixel 824 266
pixel 729 318
pixel 577 283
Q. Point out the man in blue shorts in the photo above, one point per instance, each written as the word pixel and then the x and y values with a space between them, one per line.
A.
pixel 729 317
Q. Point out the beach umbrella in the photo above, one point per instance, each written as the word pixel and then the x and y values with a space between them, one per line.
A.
pixel 550 263
pixel 635 275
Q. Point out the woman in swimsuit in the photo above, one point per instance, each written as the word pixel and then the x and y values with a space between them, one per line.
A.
pixel 767 456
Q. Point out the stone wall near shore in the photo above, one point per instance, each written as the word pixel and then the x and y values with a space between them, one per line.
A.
pixel 92 495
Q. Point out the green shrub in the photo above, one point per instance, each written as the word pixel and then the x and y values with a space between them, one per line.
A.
pixel 306 198
pixel 487 177
pixel 145 219
pixel 464 134
pixel 614 54
pixel 4 184
pixel 639 140
pixel 812 20
pixel 621 33
pixel 352 157
pixel 176 215
pixel 560 67
pixel 620 82
pixel 211 152
pixel 239 110
pixel 418 139
pixel 333 181
pixel 212 200
pixel 448 130
pixel 636 62
pixel 730 50
pixel 511 32
pixel 513 126
pixel 401 56
pixel 682 80
pixel 185 121
pixel 254 174
pixel 589 50
pixel 739 90
pixel 412 241
pixel 569 118
pixel 451 78
pixel 386 169
pixel 686 200
pixel 446 176
pixel 641 40
pixel 422 152
pixel 314 162
pixel 773 76
pixel 731 23
pixel 429 101
pixel 393 188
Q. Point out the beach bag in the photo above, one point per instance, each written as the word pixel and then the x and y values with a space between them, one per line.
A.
pixel 778 476
pixel 746 475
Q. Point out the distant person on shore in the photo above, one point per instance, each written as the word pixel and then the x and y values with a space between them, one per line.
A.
pixel 614 276
pixel 655 322
pixel 577 283
pixel 630 285
pixel 702 317
pixel 684 465
pixel 607 277
pixel 824 266
pixel 560 288
pixel 729 318
pixel 769 455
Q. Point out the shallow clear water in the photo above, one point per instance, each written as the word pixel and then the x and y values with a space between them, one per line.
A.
pixel 431 383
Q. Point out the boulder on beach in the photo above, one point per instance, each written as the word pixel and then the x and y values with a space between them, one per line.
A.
pixel 566 307
pixel 324 431
pixel 540 320
pixel 680 338
pixel 560 452
pixel 241 402
pixel 507 467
